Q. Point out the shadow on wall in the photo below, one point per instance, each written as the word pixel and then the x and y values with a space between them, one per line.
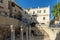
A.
pixel 58 36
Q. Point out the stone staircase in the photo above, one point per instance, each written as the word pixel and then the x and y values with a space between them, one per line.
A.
pixel 50 35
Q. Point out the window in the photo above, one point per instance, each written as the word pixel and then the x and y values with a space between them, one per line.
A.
pixel 33 12
pixel 39 11
pixel 43 18
pixel 44 11
pixel 13 4
pixel 1 1
pixel 19 12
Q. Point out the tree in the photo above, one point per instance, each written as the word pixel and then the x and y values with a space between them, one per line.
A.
pixel 56 11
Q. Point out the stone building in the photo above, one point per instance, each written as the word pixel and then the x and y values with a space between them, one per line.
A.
pixel 10 14
pixel 11 10
pixel 41 15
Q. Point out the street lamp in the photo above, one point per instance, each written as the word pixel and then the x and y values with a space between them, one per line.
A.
pixel 12 32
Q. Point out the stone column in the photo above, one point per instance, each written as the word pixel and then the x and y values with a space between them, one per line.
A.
pixel 30 33
pixel 21 33
pixel 26 33
pixel 12 32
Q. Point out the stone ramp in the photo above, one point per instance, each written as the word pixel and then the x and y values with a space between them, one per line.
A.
pixel 47 32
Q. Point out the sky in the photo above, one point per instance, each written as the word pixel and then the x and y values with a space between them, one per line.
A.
pixel 37 3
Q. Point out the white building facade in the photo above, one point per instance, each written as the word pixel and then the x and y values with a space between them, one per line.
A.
pixel 41 15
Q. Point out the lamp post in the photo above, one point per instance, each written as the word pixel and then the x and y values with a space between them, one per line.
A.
pixel 12 32
pixel 21 33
